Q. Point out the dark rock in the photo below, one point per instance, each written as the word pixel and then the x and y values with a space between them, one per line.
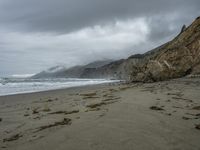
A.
pixel 139 56
pixel 89 94
pixel 197 126
pixel 25 115
pixel 198 115
pixel 183 28
pixel 169 114
pixel 198 18
pixel 35 111
pixel 185 118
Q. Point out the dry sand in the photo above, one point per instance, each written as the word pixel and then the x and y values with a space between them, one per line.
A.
pixel 155 116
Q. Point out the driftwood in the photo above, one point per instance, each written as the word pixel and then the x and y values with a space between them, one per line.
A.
pixel 65 112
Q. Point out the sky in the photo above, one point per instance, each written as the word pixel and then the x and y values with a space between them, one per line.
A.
pixel 38 34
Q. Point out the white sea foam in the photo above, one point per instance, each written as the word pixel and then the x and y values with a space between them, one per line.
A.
pixel 9 86
pixel 22 75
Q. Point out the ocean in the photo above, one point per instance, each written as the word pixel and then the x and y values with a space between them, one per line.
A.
pixel 17 85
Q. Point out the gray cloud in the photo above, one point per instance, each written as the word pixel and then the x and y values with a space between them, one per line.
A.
pixel 44 33
pixel 67 15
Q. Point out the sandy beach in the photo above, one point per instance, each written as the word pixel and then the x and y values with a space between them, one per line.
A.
pixel 139 116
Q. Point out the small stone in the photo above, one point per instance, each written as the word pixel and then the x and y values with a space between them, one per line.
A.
pixel 3 147
pixel 35 111
pixel 169 114
pixel 185 118
pixel 25 115
pixel 196 108
pixel 197 126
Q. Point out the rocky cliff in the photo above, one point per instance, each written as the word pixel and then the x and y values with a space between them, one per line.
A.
pixel 177 58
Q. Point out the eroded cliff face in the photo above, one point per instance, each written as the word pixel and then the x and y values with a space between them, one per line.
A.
pixel 177 58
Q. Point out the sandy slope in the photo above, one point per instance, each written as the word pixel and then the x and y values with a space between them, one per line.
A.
pixel 105 117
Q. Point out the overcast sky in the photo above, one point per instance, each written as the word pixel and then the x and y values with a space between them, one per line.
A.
pixel 38 34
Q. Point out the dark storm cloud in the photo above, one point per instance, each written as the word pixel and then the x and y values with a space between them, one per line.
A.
pixel 69 15
pixel 37 34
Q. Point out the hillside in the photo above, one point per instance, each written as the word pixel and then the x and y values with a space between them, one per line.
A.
pixel 176 58
pixel 73 72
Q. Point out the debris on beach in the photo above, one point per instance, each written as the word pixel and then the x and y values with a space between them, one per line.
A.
pixel 197 126
pixel 96 105
pixel 65 121
pixel 196 108
pixel 88 97
pixel 46 109
pixel 89 94
pixel 185 118
pixel 25 115
pixel 65 112
pixel 51 100
pixel 93 109
pixel 156 108
pixel 12 138
pixel 35 111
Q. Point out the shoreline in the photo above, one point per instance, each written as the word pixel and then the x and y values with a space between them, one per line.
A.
pixel 64 88
pixel 106 116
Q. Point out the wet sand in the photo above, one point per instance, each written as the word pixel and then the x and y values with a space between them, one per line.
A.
pixel 151 116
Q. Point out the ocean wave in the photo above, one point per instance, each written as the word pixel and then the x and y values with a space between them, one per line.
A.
pixel 10 86
pixel 22 75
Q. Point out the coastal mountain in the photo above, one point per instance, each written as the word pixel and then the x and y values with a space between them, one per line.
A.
pixel 176 58
pixel 73 72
